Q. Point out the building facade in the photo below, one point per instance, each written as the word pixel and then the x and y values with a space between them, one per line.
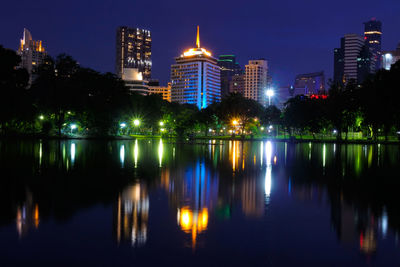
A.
pixel 313 83
pixel 134 81
pixel 237 84
pixel 229 68
pixel 256 80
pixel 163 91
pixel 352 60
pixel 373 40
pixel 195 78
pixel 133 50
pixel 32 53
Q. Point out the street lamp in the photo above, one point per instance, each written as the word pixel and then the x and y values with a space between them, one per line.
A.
pixel 73 127
pixel 41 117
pixel 136 122
pixel 161 123
pixel 270 93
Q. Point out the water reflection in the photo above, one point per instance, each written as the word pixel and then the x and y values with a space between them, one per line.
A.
pixel 206 188
pixel 132 215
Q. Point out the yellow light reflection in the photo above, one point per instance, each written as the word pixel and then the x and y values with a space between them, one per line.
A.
pixel 193 222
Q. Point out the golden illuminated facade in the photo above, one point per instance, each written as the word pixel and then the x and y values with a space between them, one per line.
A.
pixel 196 77
pixel 164 91
pixel 133 51
pixel 32 53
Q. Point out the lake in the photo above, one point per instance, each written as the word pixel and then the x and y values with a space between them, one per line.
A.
pixel 213 203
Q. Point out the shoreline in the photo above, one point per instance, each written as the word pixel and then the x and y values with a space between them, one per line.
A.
pixel 203 138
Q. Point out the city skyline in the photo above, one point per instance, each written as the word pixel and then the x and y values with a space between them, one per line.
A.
pixel 292 43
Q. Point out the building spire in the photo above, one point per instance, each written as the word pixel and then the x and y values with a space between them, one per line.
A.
pixel 198 37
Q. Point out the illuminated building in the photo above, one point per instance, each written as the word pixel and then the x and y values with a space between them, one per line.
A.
pixel 256 80
pixel 390 57
pixel 131 215
pixel 229 68
pixel 313 83
pixel 32 53
pixel 196 77
pixel 164 91
pixel 347 57
pixel 236 85
pixel 134 81
pixel 373 40
pixel 133 51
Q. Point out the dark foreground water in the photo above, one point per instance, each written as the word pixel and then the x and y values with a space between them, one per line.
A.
pixel 154 203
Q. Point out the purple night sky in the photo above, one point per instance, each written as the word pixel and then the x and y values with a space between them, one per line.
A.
pixel 294 36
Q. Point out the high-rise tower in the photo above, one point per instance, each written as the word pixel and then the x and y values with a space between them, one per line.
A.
pixel 229 68
pixel 133 51
pixel 196 77
pixel 256 80
pixel 32 53
pixel 373 40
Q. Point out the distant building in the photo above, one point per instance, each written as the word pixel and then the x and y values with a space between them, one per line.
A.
pixel 133 49
pixel 164 91
pixel 196 77
pixel 32 53
pixel 229 68
pixel 348 57
pixel 313 83
pixel 373 40
pixel 134 81
pixel 236 85
pixel 390 57
pixel 283 94
pixel 256 79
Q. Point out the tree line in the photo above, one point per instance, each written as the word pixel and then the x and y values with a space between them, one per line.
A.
pixel 67 99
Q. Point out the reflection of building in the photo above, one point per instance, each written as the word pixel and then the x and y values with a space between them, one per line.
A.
pixel 32 53
pixel 193 191
pixel 133 51
pixel 27 216
pixel 373 41
pixel 229 68
pixel 390 57
pixel 311 83
pixel 196 77
pixel 132 215
pixel 256 78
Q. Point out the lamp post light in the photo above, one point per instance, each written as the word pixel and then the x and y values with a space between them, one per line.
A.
pixel 73 127
pixel 270 93
pixel 122 127
pixel 136 123
pixel 41 117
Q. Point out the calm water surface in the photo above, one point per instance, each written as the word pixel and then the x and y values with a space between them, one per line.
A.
pixel 220 203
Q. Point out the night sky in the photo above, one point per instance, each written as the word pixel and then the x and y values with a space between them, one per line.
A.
pixel 295 36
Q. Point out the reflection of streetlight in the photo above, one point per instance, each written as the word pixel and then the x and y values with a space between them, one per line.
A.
pixel 270 93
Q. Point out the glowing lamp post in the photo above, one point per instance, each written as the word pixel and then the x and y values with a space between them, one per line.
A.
pixel 73 127
pixel 270 93
pixel 136 123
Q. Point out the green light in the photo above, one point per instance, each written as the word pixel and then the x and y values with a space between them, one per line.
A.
pixel 161 123
pixel 41 117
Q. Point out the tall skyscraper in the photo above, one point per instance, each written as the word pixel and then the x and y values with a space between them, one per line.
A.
pixel 229 68
pixel 256 79
pixel 196 77
pixel 133 51
pixel 373 40
pixel 348 57
pixel 313 83
pixel 32 53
